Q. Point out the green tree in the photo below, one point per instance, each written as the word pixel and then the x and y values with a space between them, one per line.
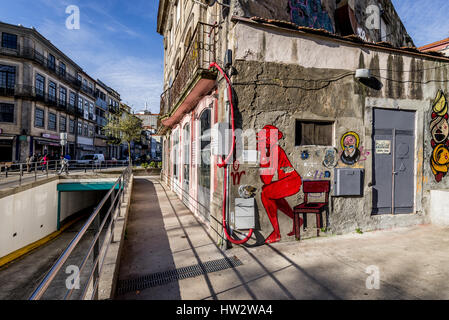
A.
pixel 126 128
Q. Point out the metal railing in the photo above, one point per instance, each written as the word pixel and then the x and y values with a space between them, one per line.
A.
pixel 200 53
pixel 88 90
pixel 13 173
pixel 32 54
pixel 102 222
pixel 36 94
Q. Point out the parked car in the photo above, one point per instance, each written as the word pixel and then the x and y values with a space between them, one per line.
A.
pixel 96 159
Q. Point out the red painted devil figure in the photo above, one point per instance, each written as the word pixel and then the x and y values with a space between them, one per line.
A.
pixel 274 162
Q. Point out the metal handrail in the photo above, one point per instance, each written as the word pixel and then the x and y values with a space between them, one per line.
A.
pixel 24 170
pixel 33 55
pixel 118 198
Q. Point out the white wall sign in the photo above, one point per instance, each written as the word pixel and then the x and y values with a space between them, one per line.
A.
pixel 383 147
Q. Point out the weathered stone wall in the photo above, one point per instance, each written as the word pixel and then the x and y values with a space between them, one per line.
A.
pixel 280 78
pixel 278 94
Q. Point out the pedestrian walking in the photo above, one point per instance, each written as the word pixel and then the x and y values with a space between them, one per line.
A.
pixel 64 166
pixel 44 162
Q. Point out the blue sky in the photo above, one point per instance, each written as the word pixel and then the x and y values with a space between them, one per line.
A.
pixel 426 21
pixel 118 42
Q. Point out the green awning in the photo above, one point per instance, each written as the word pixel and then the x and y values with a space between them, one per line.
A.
pixel 86 186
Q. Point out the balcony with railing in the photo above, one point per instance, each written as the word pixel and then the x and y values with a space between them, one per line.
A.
pixel 101 104
pixel 31 54
pixel 193 79
pixel 62 103
pixel 7 91
pixel 88 90
pixel 35 94
pixel 101 121
pixel 114 109
pixel 79 112
pixel 10 51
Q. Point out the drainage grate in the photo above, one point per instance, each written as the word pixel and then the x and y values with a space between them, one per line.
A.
pixel 161 278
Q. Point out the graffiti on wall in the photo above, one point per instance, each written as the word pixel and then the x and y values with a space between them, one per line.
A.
pixel 236 173
pixel 319 175
pixel 330 158
pixel 310 13
pixel 274 162
pixel 350 143
pixel 439 130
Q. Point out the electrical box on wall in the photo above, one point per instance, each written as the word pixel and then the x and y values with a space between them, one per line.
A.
pixel 221 139
pixel 244 217
pixel 251 157
pixel 348 182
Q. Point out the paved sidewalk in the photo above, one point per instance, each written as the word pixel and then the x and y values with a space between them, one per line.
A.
pixel 163 235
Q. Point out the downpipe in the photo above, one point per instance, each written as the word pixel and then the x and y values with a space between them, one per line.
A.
pixel 225 163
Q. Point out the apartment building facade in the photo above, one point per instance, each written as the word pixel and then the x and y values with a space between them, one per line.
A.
pixel 150 124
pixel 339 104
pixel 44 93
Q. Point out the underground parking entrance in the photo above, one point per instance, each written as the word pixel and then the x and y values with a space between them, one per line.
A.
pixel 42 221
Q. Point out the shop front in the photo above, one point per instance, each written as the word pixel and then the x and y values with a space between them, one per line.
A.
pixel 47 144
pixel 6 147
pixel 101 146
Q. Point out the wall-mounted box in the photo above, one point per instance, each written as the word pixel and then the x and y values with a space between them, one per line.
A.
pixel 244 214
pixel 348 182
pixel 251 157
pixel 220 139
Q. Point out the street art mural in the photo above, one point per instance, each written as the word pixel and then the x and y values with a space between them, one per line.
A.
pixel 305 155
pixel 279 177
pixel 439 130
pixel 330 158
pixel 310 13
pixel 319 175
pixel 350 143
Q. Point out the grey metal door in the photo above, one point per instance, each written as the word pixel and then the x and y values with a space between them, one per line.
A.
pixel 393 161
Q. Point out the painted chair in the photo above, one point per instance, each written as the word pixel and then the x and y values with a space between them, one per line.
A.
pixel 316 208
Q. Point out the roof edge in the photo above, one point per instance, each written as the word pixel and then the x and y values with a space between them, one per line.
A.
pixel 323 34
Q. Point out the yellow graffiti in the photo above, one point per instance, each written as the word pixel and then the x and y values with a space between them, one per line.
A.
pixel 440 162
pixel 440 104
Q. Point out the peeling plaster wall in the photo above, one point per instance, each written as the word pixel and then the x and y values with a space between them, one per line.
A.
pixel 280 78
